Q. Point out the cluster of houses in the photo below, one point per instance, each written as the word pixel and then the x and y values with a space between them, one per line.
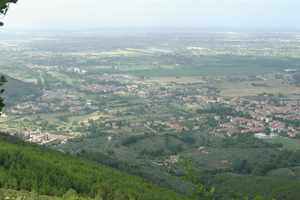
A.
pixel 265 114
pixel 42 138
pixel 263 118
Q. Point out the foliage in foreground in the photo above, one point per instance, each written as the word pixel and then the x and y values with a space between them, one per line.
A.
pixel 32 168
pixel 4 5
pixel 2 81
pixel 25 167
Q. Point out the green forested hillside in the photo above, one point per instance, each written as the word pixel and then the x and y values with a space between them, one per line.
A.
pixel 32 168
pixel 16 90
pixel 235 186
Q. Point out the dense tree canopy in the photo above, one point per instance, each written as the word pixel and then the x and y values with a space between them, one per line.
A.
pixel 33 168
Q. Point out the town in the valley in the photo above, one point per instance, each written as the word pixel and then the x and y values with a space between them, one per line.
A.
pixel 114 93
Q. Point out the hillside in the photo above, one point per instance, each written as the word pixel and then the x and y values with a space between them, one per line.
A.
pixel 16 90
pixel 32 168
pixel 239 186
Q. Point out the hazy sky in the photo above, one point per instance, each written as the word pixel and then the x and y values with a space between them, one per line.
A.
pixel 154 13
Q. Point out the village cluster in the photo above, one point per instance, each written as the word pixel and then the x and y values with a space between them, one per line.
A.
pixel 123 104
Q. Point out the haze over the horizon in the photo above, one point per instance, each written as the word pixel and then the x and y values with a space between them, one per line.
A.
pixel 76 14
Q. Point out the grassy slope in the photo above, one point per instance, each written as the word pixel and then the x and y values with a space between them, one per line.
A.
pixel 28 167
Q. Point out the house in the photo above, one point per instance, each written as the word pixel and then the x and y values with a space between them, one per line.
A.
pixel 277 126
